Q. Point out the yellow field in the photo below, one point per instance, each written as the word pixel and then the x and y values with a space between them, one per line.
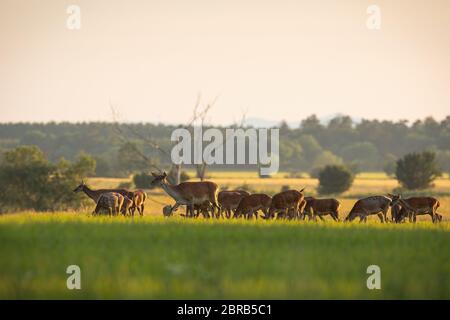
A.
pixel 364 184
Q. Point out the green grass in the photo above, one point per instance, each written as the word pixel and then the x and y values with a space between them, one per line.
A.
pixel 175 258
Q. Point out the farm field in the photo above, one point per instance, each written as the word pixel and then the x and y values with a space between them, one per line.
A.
pixel 176 258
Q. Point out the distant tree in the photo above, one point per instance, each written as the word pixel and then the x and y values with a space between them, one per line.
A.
pixel 417 170
pixel 443 158
pixel 31 182
pixel 364 154
pixel 390 165
pixel 335 179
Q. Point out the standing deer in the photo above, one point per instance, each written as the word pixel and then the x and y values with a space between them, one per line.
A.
pixel 249 205
pixel 111 201
pixel 127 206
pixel 229 201
pixel 95 194
pixel 286 204
pixel 188 193
pixel 139 197
pixel 378 205
pixel 321 207
pixel 414 206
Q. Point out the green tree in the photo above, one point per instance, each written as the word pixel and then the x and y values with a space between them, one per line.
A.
pixel 417 170
pixel 335 179
pixel 31 182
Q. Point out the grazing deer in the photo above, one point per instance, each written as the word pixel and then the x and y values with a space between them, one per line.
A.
pixel 414 206
pixel 286 204
pixel 95 194
pixel 249 205
pixel 111 201
pixel 229 201
pixel 139 197
pixel 378 205
pixel 321 207
pixel 127 206
pixel 188 193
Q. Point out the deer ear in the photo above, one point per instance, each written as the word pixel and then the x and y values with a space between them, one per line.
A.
pixel 164 174
pixel 390 195
pixel 302 190
pixel 154 174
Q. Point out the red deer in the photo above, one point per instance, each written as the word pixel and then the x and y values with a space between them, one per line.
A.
pixel 321 207
pixel 95 194
pixel 127 206
pixel 286 204
pixel 139 197
pixel 414 206
pixel 188 193
pixel 250 205
pixel 229 200
pixel 378 205
pixel 111 201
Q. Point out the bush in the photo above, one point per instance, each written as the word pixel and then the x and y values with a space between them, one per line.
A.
pixel 417 170
pixel 143 180
pixel 31 182
pixel 335 179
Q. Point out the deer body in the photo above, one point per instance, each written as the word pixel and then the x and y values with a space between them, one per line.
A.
pixel 286 204
pixel 371 205
pixel 139 197
pixel 111 201
pixel 322 207
pixel 249 205
pixel 189 193
pixel 229 200
pixel 414 206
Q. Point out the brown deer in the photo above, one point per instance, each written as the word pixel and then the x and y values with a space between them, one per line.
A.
pixel 286 204
pixel 139 197
pixel 111 201
pixel 321 207
pixel 188 193
pixel 249 205
pixel 127 206
pixel 229 201
pixel 95 194
pixel 414 206
pixel 378 205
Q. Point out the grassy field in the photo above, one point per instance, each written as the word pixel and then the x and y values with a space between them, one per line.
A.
pixel 153 257
pixel 174 258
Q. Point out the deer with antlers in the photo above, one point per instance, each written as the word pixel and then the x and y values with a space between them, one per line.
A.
pixel 188 193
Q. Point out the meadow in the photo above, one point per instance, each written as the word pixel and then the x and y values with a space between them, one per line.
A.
pixel 156 258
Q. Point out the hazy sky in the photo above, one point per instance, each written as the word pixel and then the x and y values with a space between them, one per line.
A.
pixel 273 59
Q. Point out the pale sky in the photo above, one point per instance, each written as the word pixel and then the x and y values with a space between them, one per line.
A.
pixel 272 59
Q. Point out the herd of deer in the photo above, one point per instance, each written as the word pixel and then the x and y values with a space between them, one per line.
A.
pixel 205 198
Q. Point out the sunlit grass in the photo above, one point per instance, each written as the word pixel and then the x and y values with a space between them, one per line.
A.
pixel 154 257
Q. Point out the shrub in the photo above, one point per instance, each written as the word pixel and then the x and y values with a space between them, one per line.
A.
pixel 143 180
pixel 335 179
pixel 417 170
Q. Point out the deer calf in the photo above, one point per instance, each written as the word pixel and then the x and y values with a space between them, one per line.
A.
pixel 229 201
pixel 139 197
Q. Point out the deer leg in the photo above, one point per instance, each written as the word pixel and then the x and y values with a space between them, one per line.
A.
pixel 380 215
pixel 335 216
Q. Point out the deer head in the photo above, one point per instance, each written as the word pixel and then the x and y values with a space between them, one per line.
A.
pixel 395 199
pixel 159 179
pixel 80 187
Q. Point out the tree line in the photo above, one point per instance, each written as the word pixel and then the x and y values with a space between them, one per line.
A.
pixel 369 145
